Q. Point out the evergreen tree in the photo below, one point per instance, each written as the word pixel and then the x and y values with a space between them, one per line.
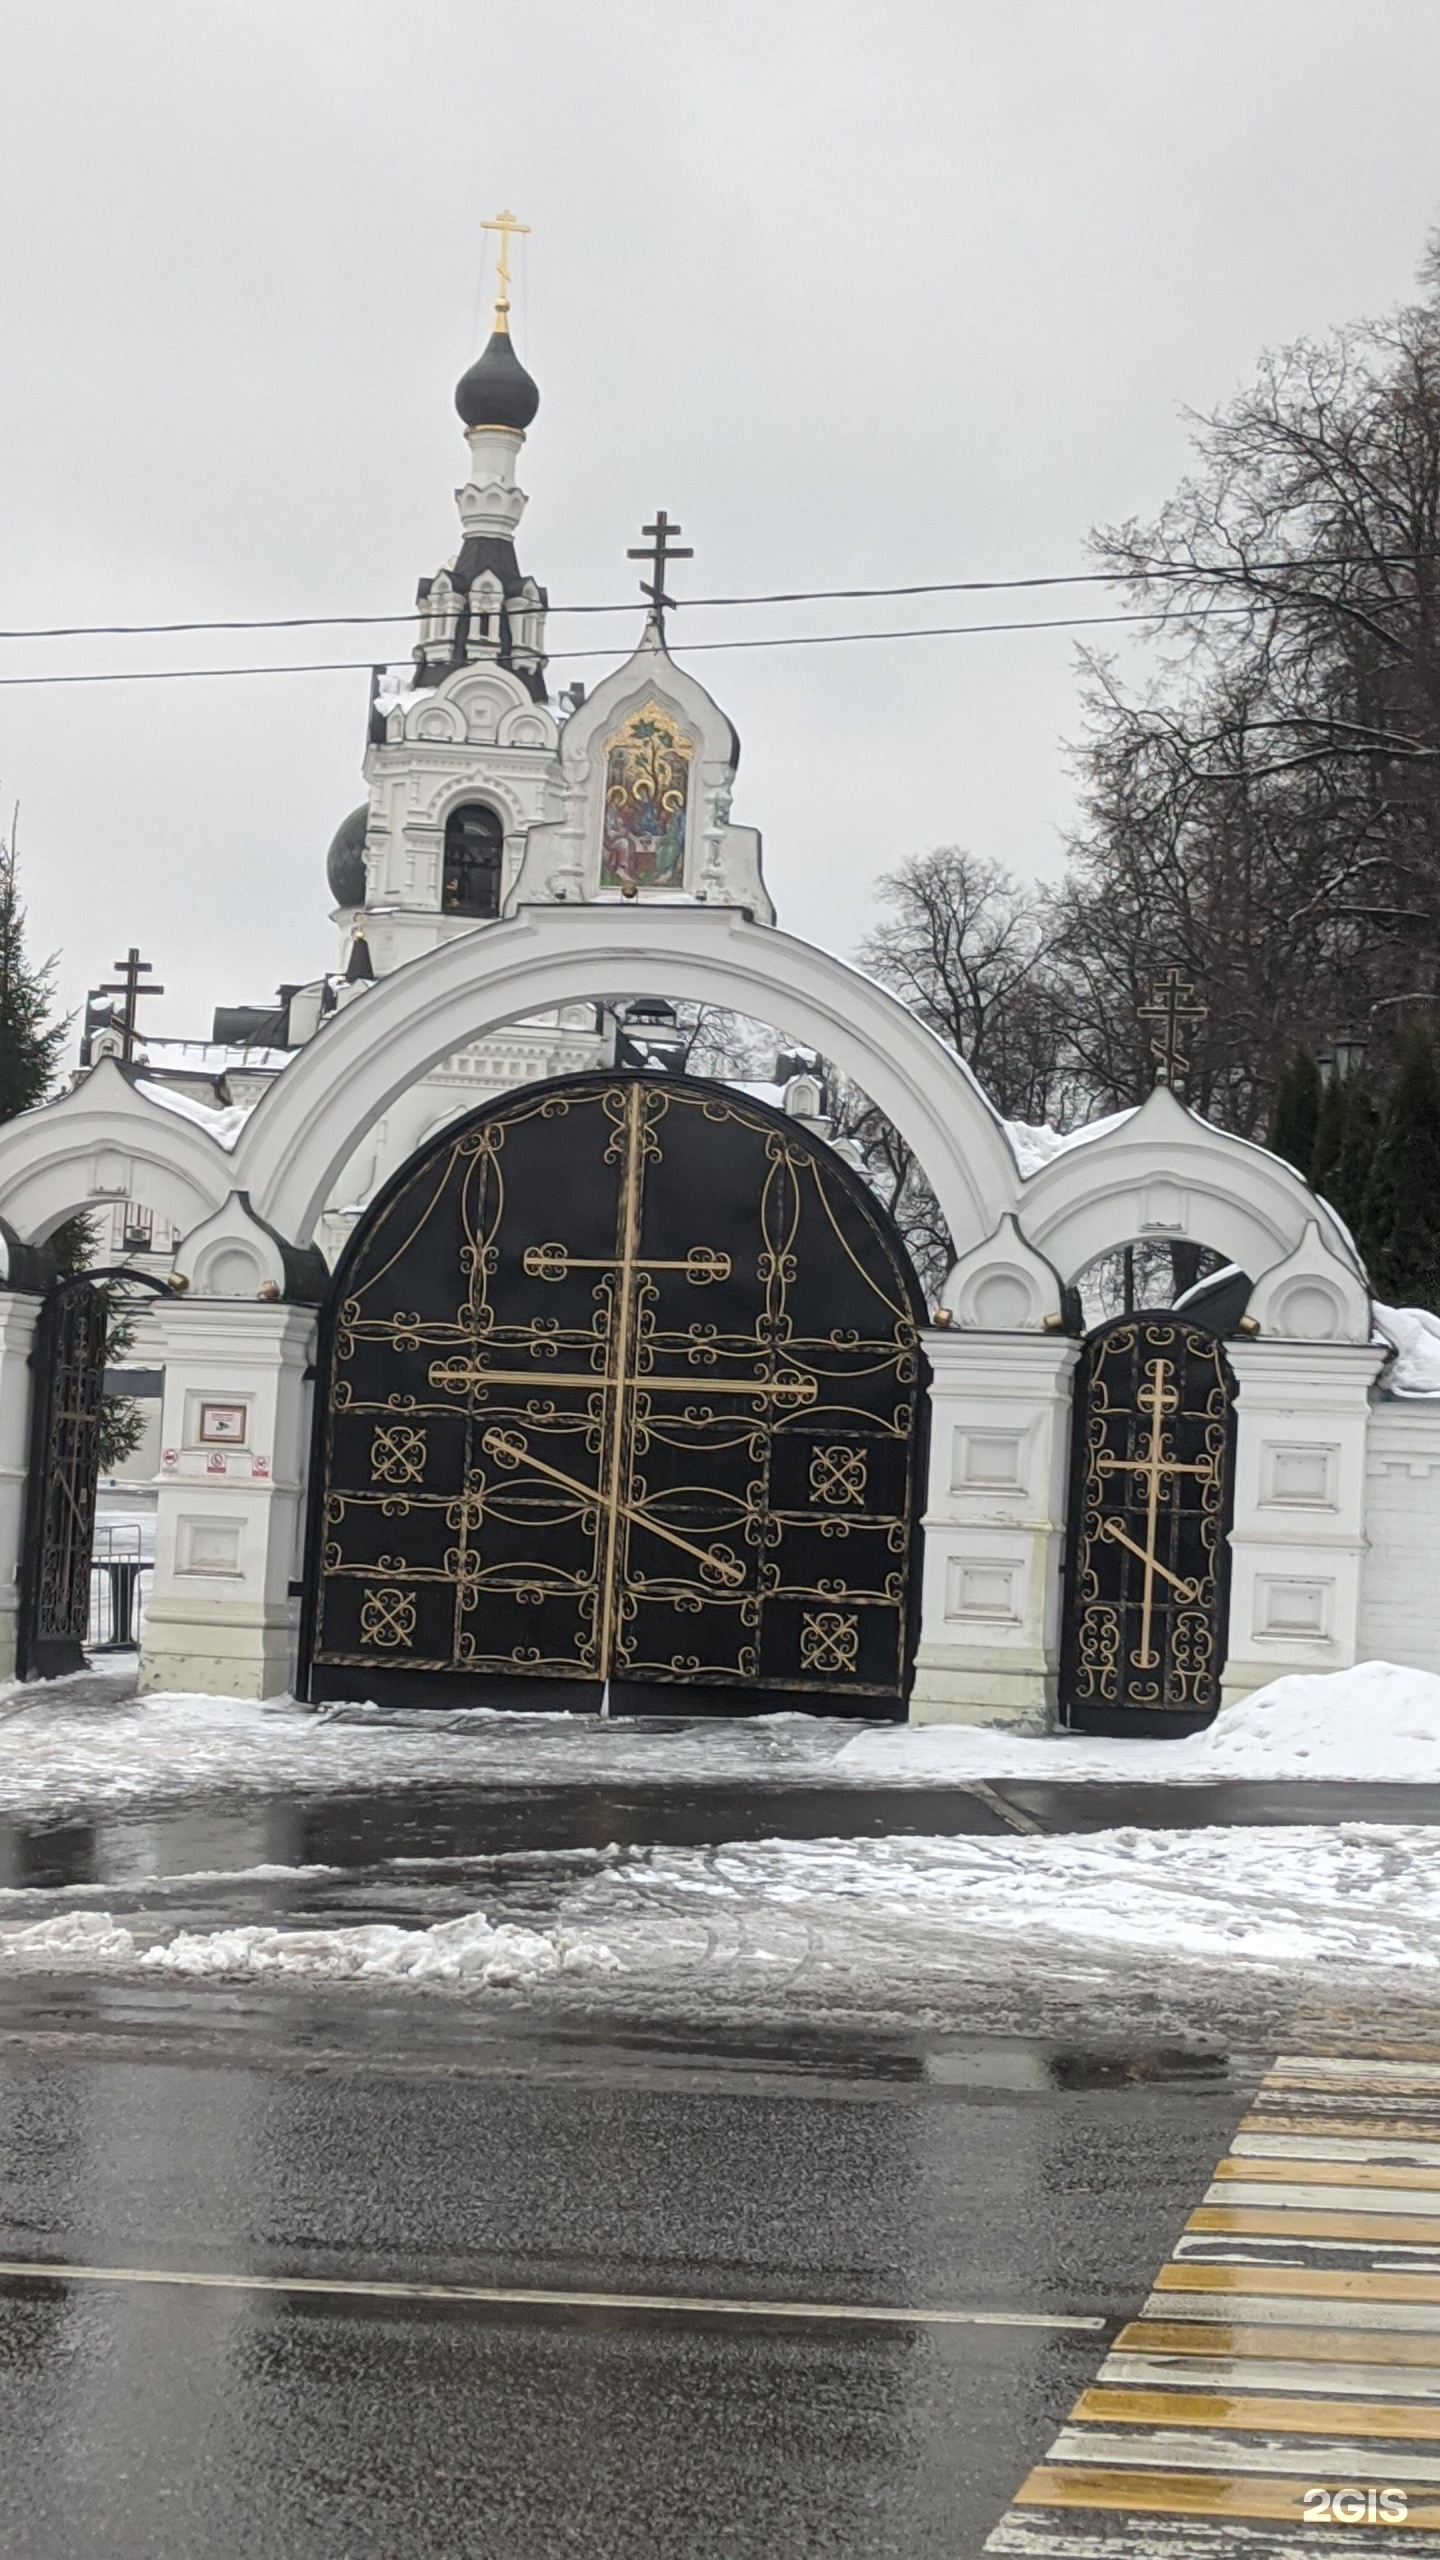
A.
pixel 1329 1130
pixel 1359 1133
pixel 1401 1217
pixel 1297 1108
pixel 30 1043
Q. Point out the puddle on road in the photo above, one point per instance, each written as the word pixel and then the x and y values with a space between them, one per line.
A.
pixel 373 1830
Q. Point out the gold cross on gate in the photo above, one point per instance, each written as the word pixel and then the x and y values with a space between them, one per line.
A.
pixel 132 968
pixel 660 552
pixel 1172 1002
pixel 1157 1398
pixel 508 228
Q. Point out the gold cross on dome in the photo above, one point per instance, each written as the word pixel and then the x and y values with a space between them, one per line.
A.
pixel 507 226
pixel 1172 1004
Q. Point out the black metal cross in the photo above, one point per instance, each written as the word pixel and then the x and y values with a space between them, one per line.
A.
pixel 1172 1003
pixel 131 969
pixel 661 550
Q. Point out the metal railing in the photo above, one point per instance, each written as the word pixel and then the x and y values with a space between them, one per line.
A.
pixel 120 1579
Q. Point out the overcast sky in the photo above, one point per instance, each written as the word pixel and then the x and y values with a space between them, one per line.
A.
pixel 863 294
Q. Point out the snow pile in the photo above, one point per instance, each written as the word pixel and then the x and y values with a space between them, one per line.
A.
pixel 1414 1336
pixel 466 1954
pixel 1378 1723
pixel 72 1937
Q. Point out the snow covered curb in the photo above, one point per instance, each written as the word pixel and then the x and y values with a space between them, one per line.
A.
pixel 1379 1722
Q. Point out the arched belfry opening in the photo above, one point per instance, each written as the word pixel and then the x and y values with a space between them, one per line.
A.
pixel 621 1396
pixel 472 872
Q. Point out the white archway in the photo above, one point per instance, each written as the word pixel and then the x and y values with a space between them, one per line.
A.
pixel 1161 1172
pixel 100 1142
pixel 315 1115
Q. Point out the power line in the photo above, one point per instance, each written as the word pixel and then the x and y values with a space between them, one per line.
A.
pixel 631 604
pixel 682 648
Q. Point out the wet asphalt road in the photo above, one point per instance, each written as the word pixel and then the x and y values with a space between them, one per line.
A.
pixel 158 2424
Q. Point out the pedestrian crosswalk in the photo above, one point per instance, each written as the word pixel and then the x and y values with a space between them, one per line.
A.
pixel 1279 2395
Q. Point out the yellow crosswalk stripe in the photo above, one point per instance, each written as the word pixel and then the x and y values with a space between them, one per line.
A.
pixel 1285 2344
pixel 1316 2284
pixel 1328 2173
pixel 1193 2493
pixel 1262 2414
pixel 1258 2222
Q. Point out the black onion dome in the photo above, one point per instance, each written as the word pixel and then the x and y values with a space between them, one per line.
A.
pixel 345 861
pixel 497 391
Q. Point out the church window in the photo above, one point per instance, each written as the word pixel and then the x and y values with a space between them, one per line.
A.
pixel 474 855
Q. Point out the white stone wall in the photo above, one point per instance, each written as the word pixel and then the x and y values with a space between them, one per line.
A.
pixel 1400 1580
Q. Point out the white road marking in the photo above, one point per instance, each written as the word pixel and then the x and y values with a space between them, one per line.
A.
pixel 1173 2449
pixel 1292 2311
pixel 381 2291
pixel 1326 2199
pixel 1391 2150
pixel 1235 2373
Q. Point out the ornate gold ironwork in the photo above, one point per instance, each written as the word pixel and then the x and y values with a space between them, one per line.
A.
pixel 624 1454
pixel 387 1616
pixel 829 1639
pixel 1149 1519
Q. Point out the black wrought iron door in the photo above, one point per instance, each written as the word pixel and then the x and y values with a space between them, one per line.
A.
pixel 1147 1570
pixel 68 1370
pixel 622 1385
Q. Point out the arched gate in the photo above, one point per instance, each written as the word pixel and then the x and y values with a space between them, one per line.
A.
pixel 621 1389
pixel 1147 1560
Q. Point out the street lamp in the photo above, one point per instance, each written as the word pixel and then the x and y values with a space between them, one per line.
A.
pixel 1351 1048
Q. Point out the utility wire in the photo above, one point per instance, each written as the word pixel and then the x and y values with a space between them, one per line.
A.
pixel 681 648
pixel 632 604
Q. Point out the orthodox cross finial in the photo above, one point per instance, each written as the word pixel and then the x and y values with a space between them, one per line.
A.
pixel 506 225
pixel 131 970
pixel 1172 1005
pixel 661 548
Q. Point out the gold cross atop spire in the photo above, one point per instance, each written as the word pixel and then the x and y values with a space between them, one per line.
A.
pixel 507 226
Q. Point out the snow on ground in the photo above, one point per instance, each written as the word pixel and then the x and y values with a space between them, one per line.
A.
pixel 904 1919
pixel 465 1954
pixel 1356 1894
pixel 1379 1722
pixel 79 1746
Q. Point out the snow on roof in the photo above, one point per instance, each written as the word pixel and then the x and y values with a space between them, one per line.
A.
pixel 210 1057
pixel 1413 1334
pixel 1035 1146
pixel 222 1123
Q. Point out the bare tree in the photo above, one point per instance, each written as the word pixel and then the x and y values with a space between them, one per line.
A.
pixel 963 946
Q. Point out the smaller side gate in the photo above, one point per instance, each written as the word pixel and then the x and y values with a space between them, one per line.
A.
pixel 67 1406
pixel 1147 1575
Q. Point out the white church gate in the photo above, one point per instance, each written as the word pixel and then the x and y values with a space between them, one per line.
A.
pixel 1147 1564
pixel 621 1391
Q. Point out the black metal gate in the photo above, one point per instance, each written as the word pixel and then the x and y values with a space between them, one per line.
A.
pixel 1152 1494
pixel 67 1403
pixel 621 1385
